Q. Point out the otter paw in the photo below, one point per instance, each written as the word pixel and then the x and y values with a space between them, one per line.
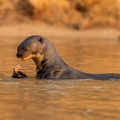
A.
pixel 17 73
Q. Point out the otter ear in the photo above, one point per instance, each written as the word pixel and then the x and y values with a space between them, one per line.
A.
pixel 40 40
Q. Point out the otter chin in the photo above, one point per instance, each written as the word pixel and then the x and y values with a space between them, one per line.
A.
pixel 49 64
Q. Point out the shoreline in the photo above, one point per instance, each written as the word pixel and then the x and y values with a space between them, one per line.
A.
pixel 54 31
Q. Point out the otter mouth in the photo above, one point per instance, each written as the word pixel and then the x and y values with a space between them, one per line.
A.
pixel 27 58
pixel 23 59
pixel 31 56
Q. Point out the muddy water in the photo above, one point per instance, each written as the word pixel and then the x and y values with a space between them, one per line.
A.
pixel 33 99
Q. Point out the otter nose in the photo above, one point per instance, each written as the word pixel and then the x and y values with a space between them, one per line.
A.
pixel 18 55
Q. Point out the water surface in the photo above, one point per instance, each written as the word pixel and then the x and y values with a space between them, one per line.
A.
pixel 33 99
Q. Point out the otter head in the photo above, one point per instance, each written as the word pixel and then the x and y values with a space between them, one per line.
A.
pixel 30 48
pixel 39 49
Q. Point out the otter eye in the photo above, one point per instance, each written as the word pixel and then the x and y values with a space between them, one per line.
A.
pixel 24 49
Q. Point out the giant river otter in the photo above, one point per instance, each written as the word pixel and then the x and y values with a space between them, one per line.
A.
pixel 49 65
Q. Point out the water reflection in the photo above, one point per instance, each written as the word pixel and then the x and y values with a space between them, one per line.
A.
pixel 50 99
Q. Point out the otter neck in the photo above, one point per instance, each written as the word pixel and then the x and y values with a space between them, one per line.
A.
pixel 37 62
pixel 48 62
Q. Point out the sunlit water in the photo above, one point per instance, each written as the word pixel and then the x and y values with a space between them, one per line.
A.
pixel 33 99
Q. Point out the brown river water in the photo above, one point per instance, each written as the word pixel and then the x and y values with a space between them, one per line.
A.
pixel 33 99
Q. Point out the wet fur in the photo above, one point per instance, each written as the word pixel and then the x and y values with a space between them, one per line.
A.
pixel 49 64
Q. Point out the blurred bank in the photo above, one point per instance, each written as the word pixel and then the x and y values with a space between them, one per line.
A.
pixel 74 14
